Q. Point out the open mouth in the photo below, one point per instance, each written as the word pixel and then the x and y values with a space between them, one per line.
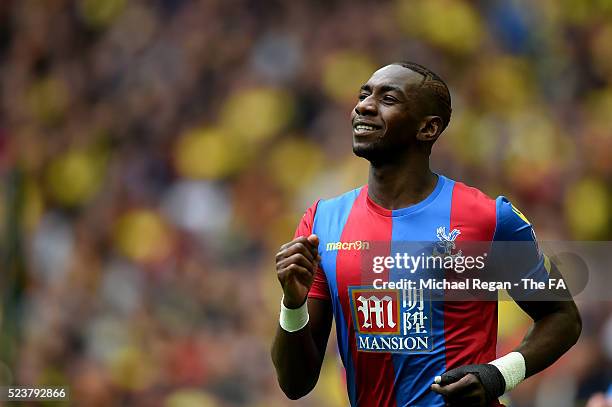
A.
pixel 364 128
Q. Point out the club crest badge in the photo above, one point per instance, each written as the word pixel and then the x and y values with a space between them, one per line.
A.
pixel 446 246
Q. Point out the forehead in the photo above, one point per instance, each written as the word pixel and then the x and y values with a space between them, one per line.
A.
pixel 395 75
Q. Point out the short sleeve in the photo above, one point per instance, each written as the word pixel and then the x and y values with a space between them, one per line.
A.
pixel 319 289
pixel 515 248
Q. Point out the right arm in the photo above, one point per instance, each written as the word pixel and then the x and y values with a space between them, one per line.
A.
pixel 298 356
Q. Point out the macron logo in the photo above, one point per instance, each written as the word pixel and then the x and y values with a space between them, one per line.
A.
pixel 355 245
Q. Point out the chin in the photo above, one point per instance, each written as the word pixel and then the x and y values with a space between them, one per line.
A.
pixel 377 152
pixel 370 151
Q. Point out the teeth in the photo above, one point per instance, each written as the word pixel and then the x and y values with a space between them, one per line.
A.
pixel 364 127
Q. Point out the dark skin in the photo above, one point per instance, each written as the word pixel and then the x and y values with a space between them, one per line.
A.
pixel 391 130
pixel 295 267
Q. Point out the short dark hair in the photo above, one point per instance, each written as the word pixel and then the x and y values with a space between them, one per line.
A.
pixel 434 91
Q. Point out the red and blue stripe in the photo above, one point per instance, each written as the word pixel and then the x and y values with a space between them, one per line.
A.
pixel 463 332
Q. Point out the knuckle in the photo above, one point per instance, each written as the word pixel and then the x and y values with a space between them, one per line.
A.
pixel 293 268
pixel 296 257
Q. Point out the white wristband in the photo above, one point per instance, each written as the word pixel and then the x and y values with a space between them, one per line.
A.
pixel 512 367
pixel 292 320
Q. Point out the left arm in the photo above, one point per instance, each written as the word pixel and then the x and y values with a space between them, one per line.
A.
pixel 556 321
pixel 556 328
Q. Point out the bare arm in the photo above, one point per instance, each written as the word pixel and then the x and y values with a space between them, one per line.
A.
pixel 556 328
pixel 298 356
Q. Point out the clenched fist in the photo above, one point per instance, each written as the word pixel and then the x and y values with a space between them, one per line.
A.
pixel 296 263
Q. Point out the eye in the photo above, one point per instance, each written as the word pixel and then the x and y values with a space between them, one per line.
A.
pixel 362 96
pixel 389 99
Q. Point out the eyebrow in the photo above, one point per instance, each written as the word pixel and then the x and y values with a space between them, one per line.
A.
pixel 384 88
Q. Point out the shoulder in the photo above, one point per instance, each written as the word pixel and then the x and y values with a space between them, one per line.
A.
pixel 472 200
pixel 329 206
pixel 498 215
pixel 473 212
pixel 331 214
pixel 341 202
pixel 512 224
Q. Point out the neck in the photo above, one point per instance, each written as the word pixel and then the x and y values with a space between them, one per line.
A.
pixel 400 184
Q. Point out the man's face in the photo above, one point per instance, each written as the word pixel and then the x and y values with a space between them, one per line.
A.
pixel 386 117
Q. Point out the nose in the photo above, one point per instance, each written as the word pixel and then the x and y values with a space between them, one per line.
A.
pixel 366 107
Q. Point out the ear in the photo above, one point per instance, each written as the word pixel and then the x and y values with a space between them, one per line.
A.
pixel 430 128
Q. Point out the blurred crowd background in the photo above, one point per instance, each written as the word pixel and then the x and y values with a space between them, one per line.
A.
pixel 155 154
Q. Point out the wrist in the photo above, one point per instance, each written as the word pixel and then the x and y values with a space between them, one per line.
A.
pixel 512 368
pixel 291 303
pixel 293 319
